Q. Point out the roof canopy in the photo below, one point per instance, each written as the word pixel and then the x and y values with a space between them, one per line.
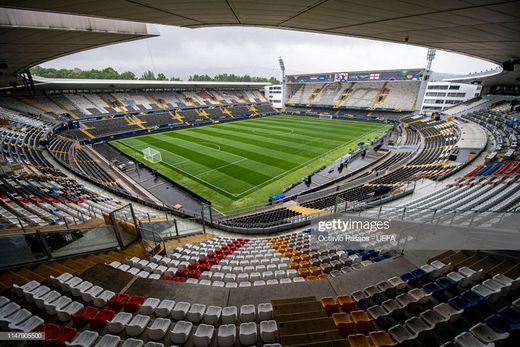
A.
pixel 489 29
pixel 29 38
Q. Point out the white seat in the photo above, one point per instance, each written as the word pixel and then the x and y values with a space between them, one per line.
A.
pixel 466 339
pixel 153 344
pixel 137 325
pixel 28 325
pixel 291 273
pixel 143 274
pixel 206 275
pixel 418 326
pixel 181 332
pixel 492 295
pixel 180 310
pixel 220 284
pixel 27 287
pixel 72 282
pixel 420 295
pixel 102 299
pixel 218 276
pixel 397 283
pixel 439 265
pixel 149 306
pixel 447 310
pixel 115 264
pixel 4 301
pixel 196 312
pixel 131 342
pixel 227 335
pixel 85 338
pixel 495 286
pixel 459 278
pixel 65 313
pixel 247 313
pixel 229 315
pixel 119 322
pixel 64 277
pixel 205 282
pixel 230 277
pixel 80 288
pixel 271 282
pixel 513 283
pixel 255 276
pixel 164 308
pixel 243 277
pixel 124 267
pixel 108 341
pixel 470 273
pixel 487 335
pixel 248 334
pixel 212 315
pixel 285 280
pixel 38 291
pixel 203 335
pixel 297 279
pixel 279 274
pixel 265 311
pixel 92 293
pixel 59 303
pixel 231 285
pixel 158 328
pixel 15 318
pixel 268 331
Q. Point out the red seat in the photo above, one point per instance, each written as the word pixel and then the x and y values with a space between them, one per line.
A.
pixel 194 266
pixel 205 267
pixel 179 279
pixel 132 305
pixel 214 260
pixel 203 260
pixel 194 274
pixel 55 335
pixel 167 278
pixel 81 317
pixel 117 301
pixel 100 320
pixel 182 272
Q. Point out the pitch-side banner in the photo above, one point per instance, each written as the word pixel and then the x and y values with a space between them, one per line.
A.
pixel 345 77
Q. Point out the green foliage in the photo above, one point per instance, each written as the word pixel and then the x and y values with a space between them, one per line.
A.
pixel 111 74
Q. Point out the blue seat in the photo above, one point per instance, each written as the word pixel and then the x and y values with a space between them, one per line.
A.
pixel 446 283
pixel 434 289
pixel 420 274
pixel 459 303
pixel 472 297
pixel 499 324
pixel 407 276
pixel 511 315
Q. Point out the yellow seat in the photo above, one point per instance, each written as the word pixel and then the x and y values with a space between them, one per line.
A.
pixel 303 272
pixel 329 305
pixel 363 322
pixel 343 323
pixel 358 340
pixel 347 303
pixel 381 338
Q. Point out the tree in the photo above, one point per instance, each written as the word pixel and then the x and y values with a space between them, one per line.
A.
pixel 148 76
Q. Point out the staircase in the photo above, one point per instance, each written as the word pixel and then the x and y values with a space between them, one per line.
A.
pixel 75 265
pixel 63 107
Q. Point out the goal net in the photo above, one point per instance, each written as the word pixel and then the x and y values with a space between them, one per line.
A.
pixel 325 116
pixel 152 155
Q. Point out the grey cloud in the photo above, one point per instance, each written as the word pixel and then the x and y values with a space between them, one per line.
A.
pixel 181 52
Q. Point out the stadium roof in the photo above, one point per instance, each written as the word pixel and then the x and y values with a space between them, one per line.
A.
pixel 62 83
pixel 489 29
pixel 29 38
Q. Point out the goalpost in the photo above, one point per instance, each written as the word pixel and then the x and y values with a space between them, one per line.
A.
pixel 152 155
pixel 325 116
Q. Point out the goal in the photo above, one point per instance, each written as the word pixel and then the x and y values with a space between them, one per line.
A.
pixel 325 116
pixel 152 155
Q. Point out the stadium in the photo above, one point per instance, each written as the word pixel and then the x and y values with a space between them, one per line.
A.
pixel 339 208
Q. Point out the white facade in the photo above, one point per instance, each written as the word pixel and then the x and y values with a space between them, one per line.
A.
pixel 274 93
pixel 442 95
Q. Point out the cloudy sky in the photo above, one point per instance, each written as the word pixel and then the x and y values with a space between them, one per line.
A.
pixel 254 51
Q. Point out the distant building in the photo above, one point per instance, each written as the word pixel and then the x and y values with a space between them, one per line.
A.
pixel 274 93
pixel 441 95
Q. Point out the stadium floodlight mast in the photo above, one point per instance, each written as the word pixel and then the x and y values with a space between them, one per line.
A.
pixel 282 67
pixel 430 56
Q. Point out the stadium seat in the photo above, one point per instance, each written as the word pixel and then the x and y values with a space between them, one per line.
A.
pixel 181 332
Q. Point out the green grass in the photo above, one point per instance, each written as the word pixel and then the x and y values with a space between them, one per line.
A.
pixel 240 164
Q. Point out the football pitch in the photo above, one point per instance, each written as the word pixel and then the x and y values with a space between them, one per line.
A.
pixel 241 164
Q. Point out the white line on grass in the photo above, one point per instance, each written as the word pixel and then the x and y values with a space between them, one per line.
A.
pixel 221 167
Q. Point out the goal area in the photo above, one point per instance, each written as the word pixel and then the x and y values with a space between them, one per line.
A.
pixel 152 155
pixel 325 116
